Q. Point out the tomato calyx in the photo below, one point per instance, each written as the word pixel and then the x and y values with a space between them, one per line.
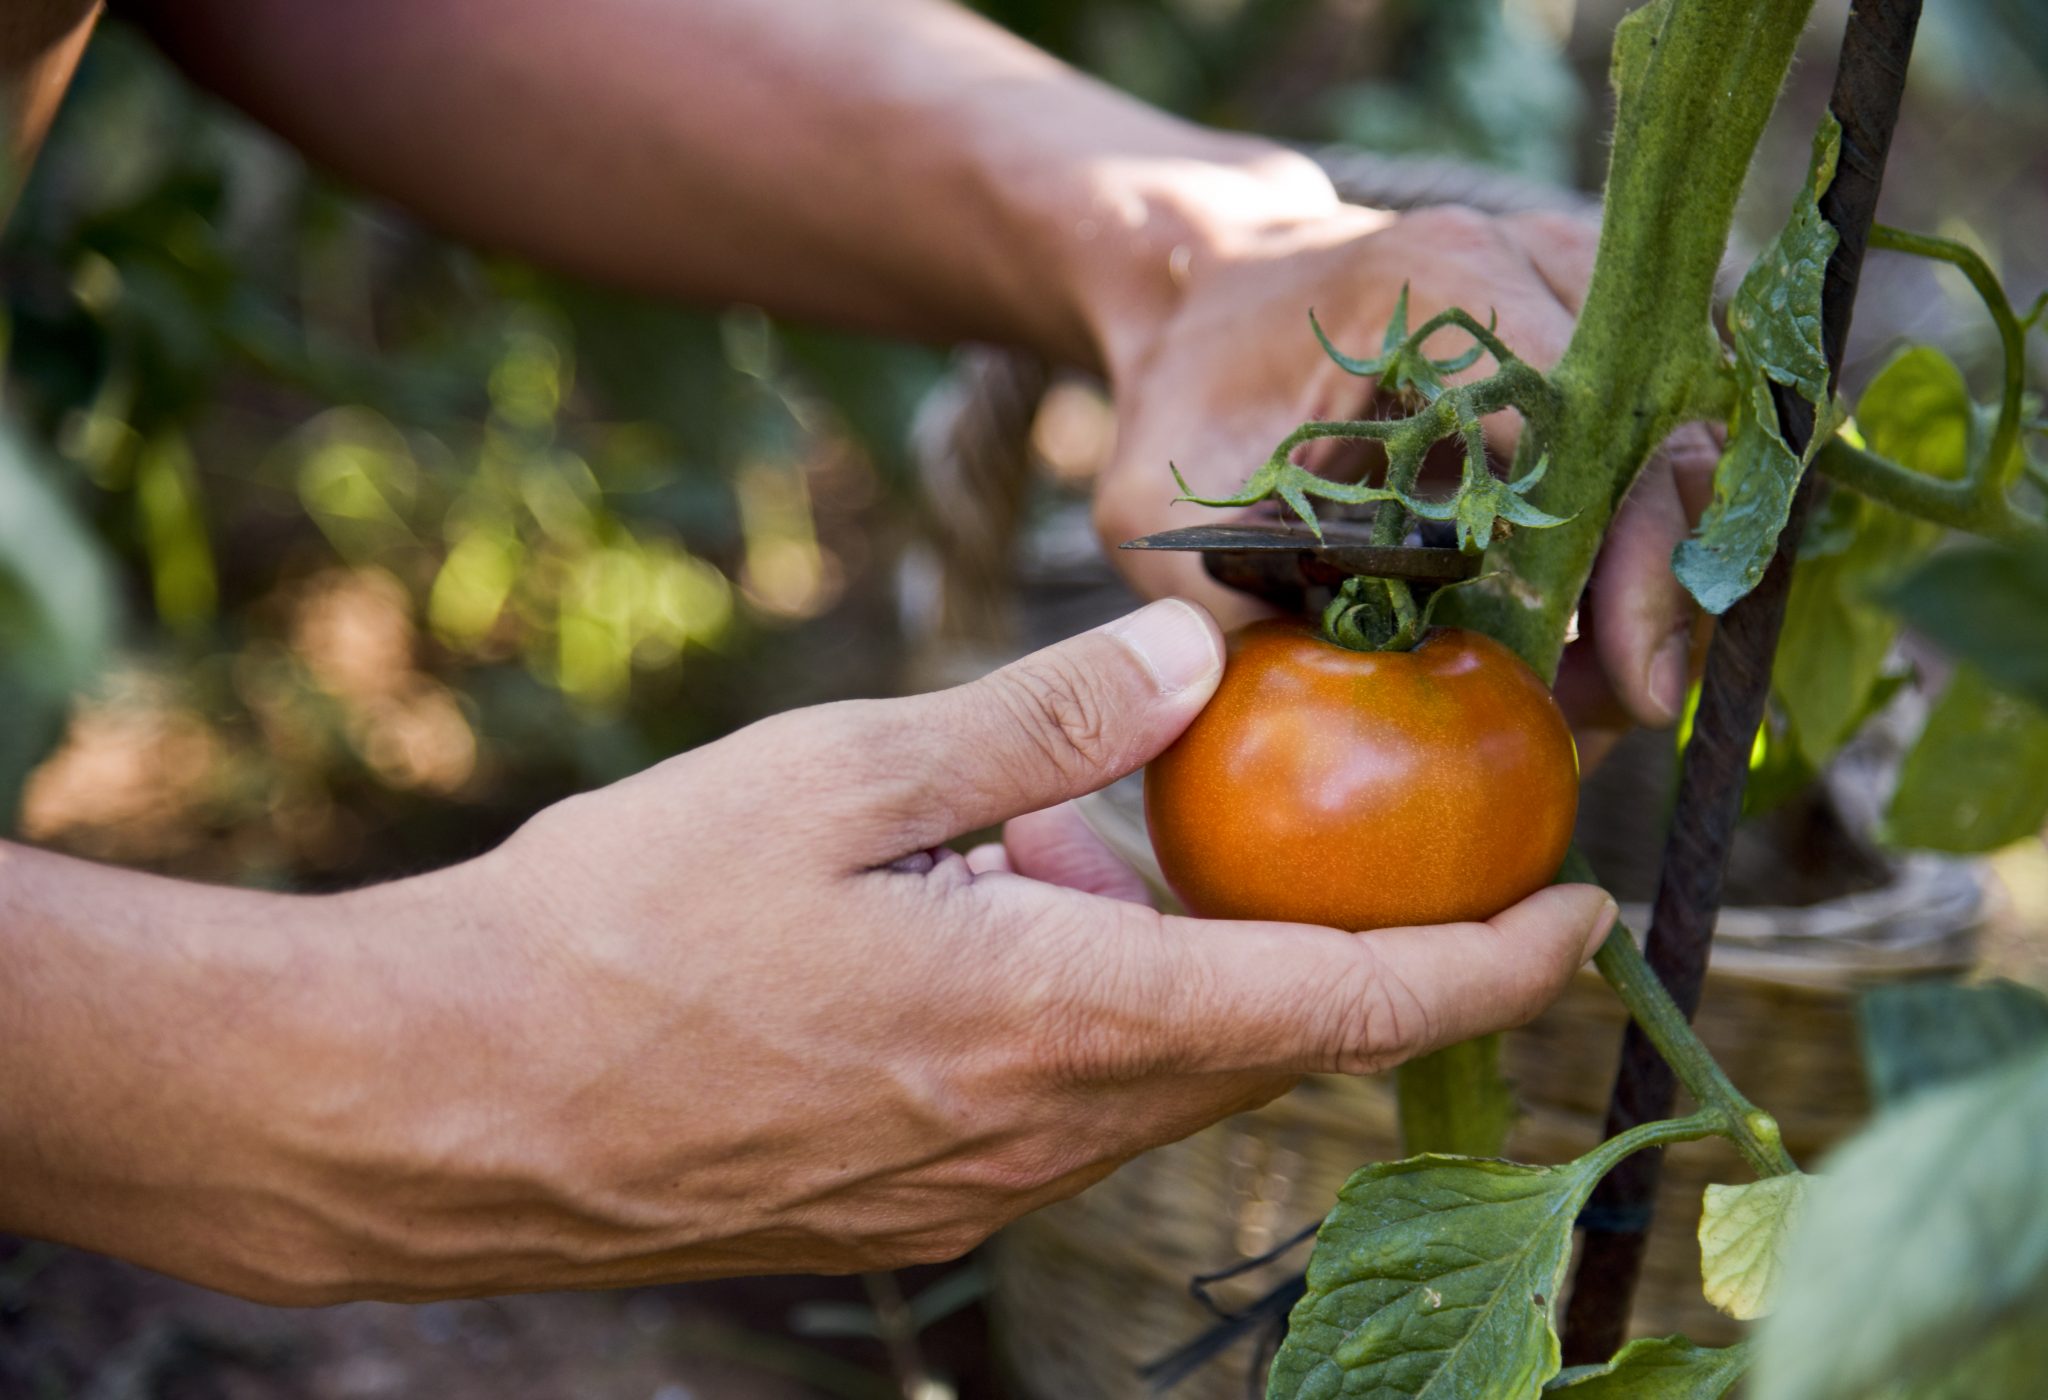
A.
pixel 1380 614
pixel 1373 614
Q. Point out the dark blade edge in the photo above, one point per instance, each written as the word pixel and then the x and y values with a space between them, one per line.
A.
pixel 1343 552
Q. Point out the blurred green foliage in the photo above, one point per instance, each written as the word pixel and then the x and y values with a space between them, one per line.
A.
pixel 241 391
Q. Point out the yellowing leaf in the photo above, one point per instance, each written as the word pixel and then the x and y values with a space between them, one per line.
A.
pixel 1742 1240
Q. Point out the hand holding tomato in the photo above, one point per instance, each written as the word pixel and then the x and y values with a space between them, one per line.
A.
pixel 741 1013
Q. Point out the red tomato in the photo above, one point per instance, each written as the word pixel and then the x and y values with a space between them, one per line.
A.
pixel 1362 789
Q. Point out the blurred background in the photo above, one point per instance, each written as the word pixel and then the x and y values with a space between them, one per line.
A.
pixel 329 551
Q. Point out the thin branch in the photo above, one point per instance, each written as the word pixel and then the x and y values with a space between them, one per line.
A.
pixel 1989 474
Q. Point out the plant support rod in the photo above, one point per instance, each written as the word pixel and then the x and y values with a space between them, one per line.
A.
pixel 1869 83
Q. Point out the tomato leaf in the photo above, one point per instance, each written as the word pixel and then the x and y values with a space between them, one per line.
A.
pixel 1920 1035
pixel 1987 604
pixel 1437 1277
pixel 1978 777
pixel 1839 624
pixel 2007 1365
pixel 1774 320
pixel 1743 1230
pixel 1924 1242
pixel 1656 1368
pixel 1434 1277
pixel 1918 412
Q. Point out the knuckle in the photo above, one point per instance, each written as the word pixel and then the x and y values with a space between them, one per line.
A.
pixel 1375 1017
pixel 1061 713
pixel 1099 1009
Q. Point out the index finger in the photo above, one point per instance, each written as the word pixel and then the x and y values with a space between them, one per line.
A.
pixel 1161 994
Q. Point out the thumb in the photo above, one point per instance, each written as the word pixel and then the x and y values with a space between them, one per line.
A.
pixel 1064 721
pixel 1302 999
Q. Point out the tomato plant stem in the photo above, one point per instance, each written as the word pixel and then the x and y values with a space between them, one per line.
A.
pixel 1979 502
pixel 1455 1100
pixel 1752 1130
pixel 1698 81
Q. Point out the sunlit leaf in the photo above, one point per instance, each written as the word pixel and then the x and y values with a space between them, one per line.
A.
pixel 1978 777
pixel 1774 321
pixel 1924 1241
pixel 174 532
pixel 1839 625
pixel 1656 1368
pixel 1918 413
pixel 1743 1230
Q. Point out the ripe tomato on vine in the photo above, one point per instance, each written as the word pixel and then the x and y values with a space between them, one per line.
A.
pixel 1365 789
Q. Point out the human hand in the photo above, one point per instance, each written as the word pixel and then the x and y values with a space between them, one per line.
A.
pixel 743 1013
pixel 1213 382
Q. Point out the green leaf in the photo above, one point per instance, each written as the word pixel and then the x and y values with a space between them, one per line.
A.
pixel 1743 1230
pixel 1924 1241
pixel 58 612
pixel 1774 321
pixel 1978 777
pixel 1919 413
pixel 1656 1368
pixel 1837 634
pixel 1635 38
pixel 2008 1364
pixel 1436 1278
pixel 1986 604
pixel 1920 1035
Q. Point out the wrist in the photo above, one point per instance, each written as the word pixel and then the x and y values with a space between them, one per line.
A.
pixel 166 1041
pixel 1095 213
pixel 1156 228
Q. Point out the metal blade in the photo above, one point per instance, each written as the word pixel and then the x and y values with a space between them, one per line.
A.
pixel 1288 559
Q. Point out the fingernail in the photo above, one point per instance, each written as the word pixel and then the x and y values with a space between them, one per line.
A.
pixel 1174 642
pixel 1667 675
pixel 1603 924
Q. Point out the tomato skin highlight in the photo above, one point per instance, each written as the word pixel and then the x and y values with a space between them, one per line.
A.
pixel 1365 790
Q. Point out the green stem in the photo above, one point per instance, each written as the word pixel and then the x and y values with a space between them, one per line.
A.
pixel 1665 1131
pixel 1990 475
pixel 1955 504
pixel 1979 502
pixel 1697 82
pixel 1754 1132
pixel 1455 1100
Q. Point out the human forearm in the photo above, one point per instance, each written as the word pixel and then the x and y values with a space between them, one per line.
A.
pixel 176 1054
pixel 901 165
pixel 736 1014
